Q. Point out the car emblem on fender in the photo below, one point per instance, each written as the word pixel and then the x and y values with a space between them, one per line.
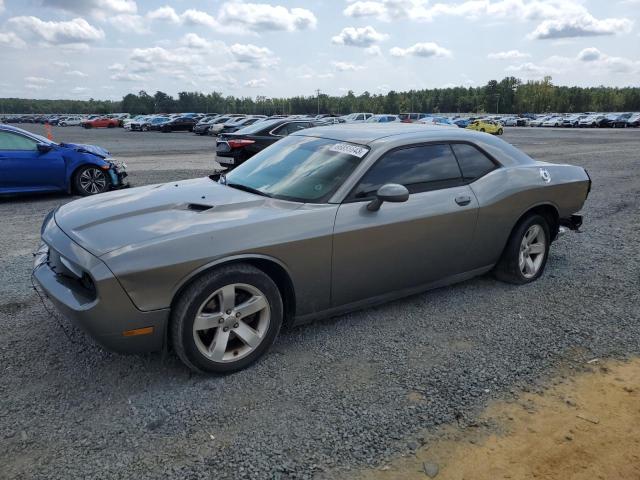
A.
pixel 545 175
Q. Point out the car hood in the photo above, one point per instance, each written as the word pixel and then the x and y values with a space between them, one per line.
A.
pixel 83 148
pixel 129 219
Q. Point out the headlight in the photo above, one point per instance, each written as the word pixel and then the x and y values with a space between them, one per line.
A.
pixel 119 165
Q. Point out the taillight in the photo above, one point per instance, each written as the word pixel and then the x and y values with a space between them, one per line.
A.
pixel 240 143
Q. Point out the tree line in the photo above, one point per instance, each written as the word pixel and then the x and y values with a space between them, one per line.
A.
pixel 510 95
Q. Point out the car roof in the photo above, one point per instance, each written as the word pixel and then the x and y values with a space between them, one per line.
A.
pixel 391 135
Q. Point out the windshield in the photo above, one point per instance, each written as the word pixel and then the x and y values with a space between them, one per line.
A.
pixel 297 168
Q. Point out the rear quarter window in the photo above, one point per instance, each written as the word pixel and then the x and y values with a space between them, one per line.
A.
pixel 473 163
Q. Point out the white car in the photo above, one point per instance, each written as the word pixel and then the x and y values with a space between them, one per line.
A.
pixel 437 121
pixel 357 117
pixel 222 122
pixel 590 121
pixel 509 121
pixel 381 118
pixel 537 122
pixel 69 121
pixel 553 122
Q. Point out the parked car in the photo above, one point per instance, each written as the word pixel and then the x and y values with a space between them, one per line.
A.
pixel 177 124
pixel 509 121
pixel 590 121
pixel 30 163
pixel 69 121
pixel 357 117
pixel 233 149
pixel 101 122
pixel 438 121
pixel 634 120
pixel 488 126
pixel 411 117
pixel 202 127
pixel 614 120
pixel 555 121
pixel 222 122
pixel 537 122
pixel 462 122
pixel 572 120
pixel 151 123
pixel 384 118
pixel 292 247
pixel 241 123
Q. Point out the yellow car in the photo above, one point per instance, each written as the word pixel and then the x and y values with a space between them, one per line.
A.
pixel 488 126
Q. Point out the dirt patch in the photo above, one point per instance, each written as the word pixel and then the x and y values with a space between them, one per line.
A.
pixel 585 427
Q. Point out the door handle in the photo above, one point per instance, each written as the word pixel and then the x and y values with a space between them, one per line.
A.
pixel 463 200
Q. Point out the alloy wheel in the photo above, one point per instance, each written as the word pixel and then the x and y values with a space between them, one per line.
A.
pixel 93 180
pixel 231 323
pixel 532 251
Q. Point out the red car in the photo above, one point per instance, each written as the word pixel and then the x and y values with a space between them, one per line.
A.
pixel 102 122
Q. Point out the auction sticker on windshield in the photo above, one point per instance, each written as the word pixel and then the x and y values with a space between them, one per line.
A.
pixel 349 149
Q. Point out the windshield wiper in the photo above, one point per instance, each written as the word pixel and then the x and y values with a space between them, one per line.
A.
pixel 245 188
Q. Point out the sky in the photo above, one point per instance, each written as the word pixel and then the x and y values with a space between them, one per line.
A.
pixel 104 49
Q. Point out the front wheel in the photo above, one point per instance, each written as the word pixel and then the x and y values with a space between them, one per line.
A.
pixel 500 132
pixel 90 180
pixel 227 319
pixel 526 253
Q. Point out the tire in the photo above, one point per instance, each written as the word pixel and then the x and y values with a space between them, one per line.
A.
pixel 91 180
pixel 111 125
pixel 144 128
pixel 482 129
pixel 512 268
pixel 86 125
pixel 206 297
pixel 500 132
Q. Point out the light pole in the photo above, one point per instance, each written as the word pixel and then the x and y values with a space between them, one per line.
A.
pixel 318 95
pixel 497 103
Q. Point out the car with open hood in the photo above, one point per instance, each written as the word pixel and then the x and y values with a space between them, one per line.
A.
pixel 322 222
pixel 30 163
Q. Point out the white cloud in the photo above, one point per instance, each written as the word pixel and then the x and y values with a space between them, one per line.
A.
pixel 264 17
pixel 38 80
pixel 98 8
pixel 590 55
pixel 256 83
pixel 166 14
pixel 237 17
pixel 61 64
pixel 373 50
pixel 583 26
pixel 158 58
pixel 193 40
pixel 425 49
pixel 10 39
pixel 76 73
pixel 127 77
pixel 346 67
pixel 116 67
pixel 359 37
pixel 508 55
pixel 530 70
pixel 559 18
pixel 130 24
pixel 73 31
pixel 253 55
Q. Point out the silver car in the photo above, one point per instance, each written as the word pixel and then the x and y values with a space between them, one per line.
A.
pixel 324 221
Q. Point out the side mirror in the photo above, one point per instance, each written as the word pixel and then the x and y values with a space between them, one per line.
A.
pixel 44 147
pixel 391 192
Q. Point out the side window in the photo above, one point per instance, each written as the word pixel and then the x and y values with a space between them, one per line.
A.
pixel 282 130
pixel 294 127
pixel 473 163
pixel 420 169
pixel 13 141
pixel 359 117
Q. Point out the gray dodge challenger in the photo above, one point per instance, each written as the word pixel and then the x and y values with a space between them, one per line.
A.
pixel 325 221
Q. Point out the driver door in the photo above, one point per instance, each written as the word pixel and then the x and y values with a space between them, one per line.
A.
pixel 23 167
pixel 404 245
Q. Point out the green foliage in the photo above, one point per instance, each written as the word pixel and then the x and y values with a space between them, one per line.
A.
pixel 510 95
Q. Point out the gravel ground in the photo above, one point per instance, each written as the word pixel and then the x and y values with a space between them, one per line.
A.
pixel 333 396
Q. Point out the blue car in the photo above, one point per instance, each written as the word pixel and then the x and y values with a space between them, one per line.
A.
pixel 30 163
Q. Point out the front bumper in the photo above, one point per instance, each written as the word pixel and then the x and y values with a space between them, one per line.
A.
pixel 104 311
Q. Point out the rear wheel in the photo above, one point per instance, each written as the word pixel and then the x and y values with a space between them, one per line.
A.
pixel 111 125
pixel 526 253
pixel 227 319
pixel 482 129
pixel 91 180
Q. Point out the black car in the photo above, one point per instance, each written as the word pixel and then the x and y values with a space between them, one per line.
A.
pixel 178 124
pixel 202 127
pixel 613 120
pixel 233 149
